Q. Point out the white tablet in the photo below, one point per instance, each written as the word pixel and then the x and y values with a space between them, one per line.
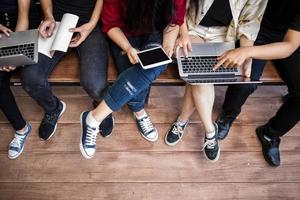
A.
pixel 153 57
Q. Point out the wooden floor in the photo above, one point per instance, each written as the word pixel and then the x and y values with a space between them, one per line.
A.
pixel 127 167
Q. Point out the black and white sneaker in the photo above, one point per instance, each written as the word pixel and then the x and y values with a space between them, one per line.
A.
pixel 107 126
pixel 49 122
pixel 88 138
pixel 175 133
pixel 211 147
pixel 147 129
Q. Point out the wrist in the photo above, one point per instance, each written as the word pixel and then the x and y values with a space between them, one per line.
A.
pixel 49 18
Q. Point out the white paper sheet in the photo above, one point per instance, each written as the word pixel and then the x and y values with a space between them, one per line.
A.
pixel 61 37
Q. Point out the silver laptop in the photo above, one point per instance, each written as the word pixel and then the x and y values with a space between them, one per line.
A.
pixel 198 67
pixel 20 48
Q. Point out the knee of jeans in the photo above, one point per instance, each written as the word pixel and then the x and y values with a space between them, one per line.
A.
pixel 94 89
pixel 32 85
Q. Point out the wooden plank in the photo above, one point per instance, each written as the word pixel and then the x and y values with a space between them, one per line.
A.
pixel 161 110
pixel 162 91
pixel 68 70
pixel 149 191
pixel 126 137
pixel 148 167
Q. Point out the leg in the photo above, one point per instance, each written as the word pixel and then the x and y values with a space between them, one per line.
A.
pixel 289 70
pixel 204 96
pixel 8 104
pixel 35 82
pixel 93 54
pixel 236 95
pixel 11 111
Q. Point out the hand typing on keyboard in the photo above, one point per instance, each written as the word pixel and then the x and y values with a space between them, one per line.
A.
pixel 5 30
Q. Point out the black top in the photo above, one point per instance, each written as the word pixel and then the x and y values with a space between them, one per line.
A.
pixel 83 9
pixel 8 6
pixel 219 14
pixel 281 15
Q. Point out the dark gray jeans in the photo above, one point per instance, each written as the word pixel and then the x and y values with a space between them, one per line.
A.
pixel 93 53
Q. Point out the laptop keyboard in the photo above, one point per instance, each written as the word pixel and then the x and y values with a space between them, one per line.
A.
pixel 25 49
pixel 200 64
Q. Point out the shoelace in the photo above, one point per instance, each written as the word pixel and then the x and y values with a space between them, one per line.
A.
pixel 146 125
pixel 210 143
pixel 18 141
pixel 177 130
pixel 91 136
pixel 50 119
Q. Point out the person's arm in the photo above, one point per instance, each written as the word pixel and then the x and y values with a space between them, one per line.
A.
pixel 171 32
pixel 118 37
pixel 247 65
pixel 84 30
pixel 169 39
pixel 23 13
pixel 48 24
pixel 277 50
pixel 184 40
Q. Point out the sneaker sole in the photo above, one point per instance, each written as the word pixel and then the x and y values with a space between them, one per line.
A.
pixel 62 112
pixel 16 156
pixel 214 160
pixel 111 131
pixel 80 143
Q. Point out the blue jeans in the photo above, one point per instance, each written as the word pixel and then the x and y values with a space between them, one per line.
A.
pixel 93 53
pixel 133 83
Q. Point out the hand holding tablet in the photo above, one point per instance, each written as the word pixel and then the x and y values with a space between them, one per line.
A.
pixel 153 57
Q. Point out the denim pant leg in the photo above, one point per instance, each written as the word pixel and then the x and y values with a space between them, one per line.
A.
pixel 35 81
pixel 93 54
pixel 137 103
pixel 130 84
pixel 236 95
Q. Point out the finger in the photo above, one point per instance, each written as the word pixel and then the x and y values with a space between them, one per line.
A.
pixel 6 31
pixel 190 46
pixel 50 29
pixel 74 30
pixel 186 51
pixel 219 64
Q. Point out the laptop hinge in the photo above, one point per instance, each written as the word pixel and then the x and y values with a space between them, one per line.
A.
pixel 211 76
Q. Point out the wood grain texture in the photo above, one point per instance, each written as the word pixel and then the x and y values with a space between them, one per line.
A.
pixel 68 70
pixel 126 138
pixel 148 167
pixel 149 191
pixel 162 109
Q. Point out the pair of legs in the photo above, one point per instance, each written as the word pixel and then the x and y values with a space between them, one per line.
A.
pixel 93 71
pixel 288 68
pixel 133 83
pixel 93 53
pixel 130 88
pixel 288 114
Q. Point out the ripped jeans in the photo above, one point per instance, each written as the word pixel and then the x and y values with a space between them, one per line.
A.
pixel 133 83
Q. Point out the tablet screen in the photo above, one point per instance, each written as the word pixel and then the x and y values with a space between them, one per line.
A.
pixel 153 56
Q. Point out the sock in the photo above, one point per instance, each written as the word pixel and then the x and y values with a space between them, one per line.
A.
pixel 210 135
pixel 23 132
pixel 142 116
pixel 181 123
pixel 91 121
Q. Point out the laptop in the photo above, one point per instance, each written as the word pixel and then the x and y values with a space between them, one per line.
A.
pixel 198 67
pixel 20 48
